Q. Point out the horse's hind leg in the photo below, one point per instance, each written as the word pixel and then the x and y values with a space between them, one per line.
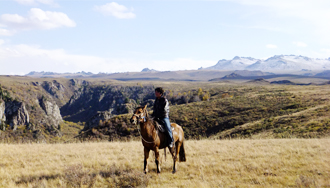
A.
pixel 146 156
pixel 175 155
pixel 157 160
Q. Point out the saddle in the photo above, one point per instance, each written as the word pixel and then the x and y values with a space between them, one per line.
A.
pixel 160 126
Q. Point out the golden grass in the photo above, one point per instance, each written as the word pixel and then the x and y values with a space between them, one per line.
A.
pixel 210 163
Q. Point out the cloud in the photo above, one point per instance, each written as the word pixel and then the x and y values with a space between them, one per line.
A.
pixel 17 59
pixel 116 10
pixel 314 13
pixel 326 52
pixel 6 32
pixel 271 46
pixel 321 53
pixel 300 44
pixel 181 64
pixel 35 2
pixel 22 59
pixel 36 19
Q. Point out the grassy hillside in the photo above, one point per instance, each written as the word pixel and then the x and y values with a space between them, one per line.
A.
pixel 205 109
pixel 210 163
pixel 251 110
pixel 240 111
pixel 68 131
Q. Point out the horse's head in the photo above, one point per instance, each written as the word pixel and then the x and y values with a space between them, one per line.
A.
pixel 140 114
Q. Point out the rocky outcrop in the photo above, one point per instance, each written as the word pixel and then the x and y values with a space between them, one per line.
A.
pixel 52 111
pixel 54 88
pixel 59 91
pixel 123 107
pixel 78 83
pixel 102 116
pixel 16 114
pixel 97 119
pixel 2 115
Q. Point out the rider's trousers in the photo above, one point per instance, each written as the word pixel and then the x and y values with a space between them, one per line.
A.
pixel 167 124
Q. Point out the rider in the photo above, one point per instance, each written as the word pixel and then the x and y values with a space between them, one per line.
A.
pixel 161 112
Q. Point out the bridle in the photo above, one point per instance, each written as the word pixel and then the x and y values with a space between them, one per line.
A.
pixel 144 120
pixel 139 117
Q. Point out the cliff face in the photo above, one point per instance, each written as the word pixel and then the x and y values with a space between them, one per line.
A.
pixel 40 104
pixel 35 107
pixel 2 115
pixel 16 114
pixel 97 119
pixel 52 112
pixel 33 103
pixel 59 92
pixel 115 100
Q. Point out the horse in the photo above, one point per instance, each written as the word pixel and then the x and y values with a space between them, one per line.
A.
pixel 153 139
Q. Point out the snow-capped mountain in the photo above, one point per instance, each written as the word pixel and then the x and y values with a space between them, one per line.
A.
pixel 275 63
pixel 238 63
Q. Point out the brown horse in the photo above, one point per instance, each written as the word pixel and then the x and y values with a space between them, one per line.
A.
pixel 153 139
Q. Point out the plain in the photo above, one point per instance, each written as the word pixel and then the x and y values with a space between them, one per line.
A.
pixel 210 163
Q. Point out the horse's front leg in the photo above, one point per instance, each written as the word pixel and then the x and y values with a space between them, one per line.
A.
pixel 157 159
pixel 146 156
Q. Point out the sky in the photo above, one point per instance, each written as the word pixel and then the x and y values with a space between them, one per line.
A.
pixel 166 35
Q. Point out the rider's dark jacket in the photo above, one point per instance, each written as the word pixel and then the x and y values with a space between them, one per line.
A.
pixel 161 108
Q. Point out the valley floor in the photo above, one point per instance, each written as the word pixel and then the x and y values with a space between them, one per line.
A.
pixel 210 163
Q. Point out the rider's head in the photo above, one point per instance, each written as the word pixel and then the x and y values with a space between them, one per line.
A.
pixel 159 91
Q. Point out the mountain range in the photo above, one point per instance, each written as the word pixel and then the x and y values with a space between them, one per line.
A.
pixel 247 67
pixel 273 64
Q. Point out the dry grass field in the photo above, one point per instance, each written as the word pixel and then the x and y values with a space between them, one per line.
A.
pixel 210 163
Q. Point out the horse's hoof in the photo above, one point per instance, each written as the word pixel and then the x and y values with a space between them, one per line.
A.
pixel 145 172
pixel 174 171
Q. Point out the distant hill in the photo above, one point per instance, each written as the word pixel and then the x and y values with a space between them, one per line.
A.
pixel 259 81
pixel 188 75
pixel 151 74
pixel 325 74
pixel 252 73
pixel 148 70
pixel 286 82
pixel 232 75
pixel 44 74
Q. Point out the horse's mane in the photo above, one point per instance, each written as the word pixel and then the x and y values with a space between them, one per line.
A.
pixel 147 114
pixel 153 121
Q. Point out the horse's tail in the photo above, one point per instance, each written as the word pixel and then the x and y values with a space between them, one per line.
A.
pixel 182 154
